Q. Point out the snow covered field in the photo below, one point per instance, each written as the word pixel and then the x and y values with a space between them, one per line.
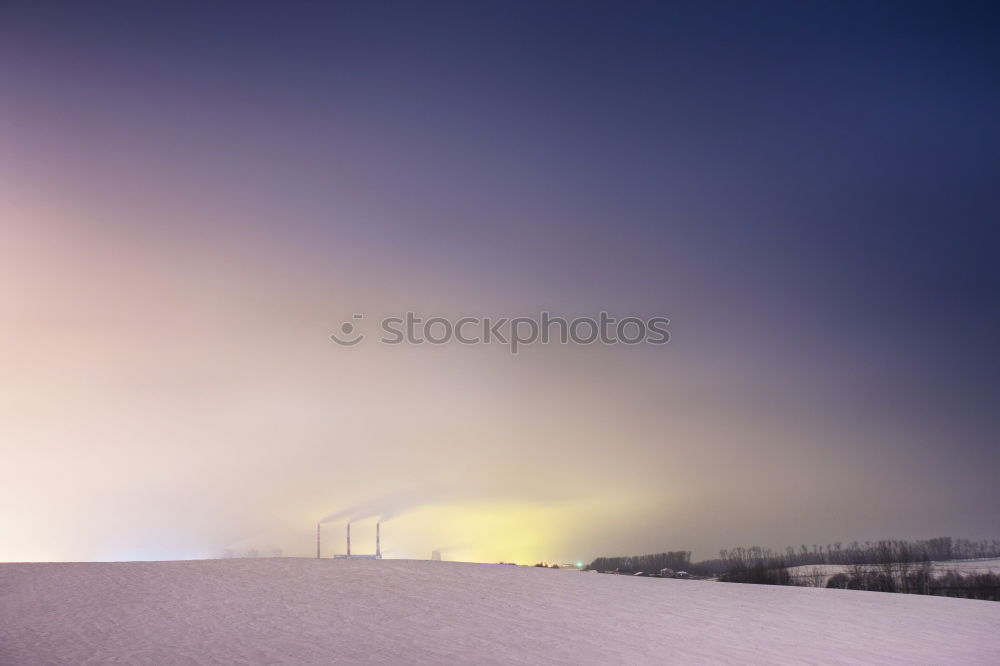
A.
pixel 810 574
pixel 968 566
pixel 304 611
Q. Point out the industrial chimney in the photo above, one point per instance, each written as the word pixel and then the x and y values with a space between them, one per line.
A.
pixel 317 541
pixel 350 556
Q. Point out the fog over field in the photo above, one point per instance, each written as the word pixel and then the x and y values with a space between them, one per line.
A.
pixel 193 201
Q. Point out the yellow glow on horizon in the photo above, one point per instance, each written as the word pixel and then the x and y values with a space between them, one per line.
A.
pixel 516 532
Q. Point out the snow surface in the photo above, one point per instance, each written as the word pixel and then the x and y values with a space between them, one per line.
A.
pixel 804 573
pixel 968 566
pixel 305 611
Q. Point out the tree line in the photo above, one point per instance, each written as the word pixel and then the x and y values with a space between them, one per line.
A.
pixel 889 565
pixel 868 552
pixel 678 560
pixel 872 552
pixel 908 578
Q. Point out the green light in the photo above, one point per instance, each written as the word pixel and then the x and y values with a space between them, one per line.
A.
pixel 579 564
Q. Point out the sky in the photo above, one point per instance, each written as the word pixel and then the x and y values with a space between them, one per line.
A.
pixel 194 198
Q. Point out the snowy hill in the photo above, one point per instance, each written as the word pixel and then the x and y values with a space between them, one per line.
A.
pixel 302 611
